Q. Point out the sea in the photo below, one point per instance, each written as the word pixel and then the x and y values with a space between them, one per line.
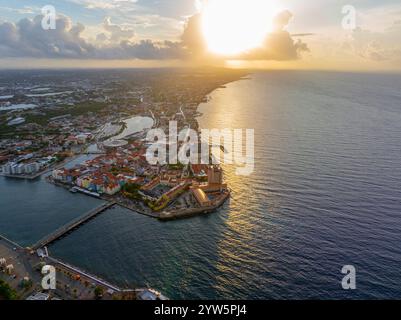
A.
pixel 325 193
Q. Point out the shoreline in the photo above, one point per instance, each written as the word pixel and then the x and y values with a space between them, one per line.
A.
pixel 181 213
pixel 77 283
pixel 161 216
pixel 192 212
pixel 46 170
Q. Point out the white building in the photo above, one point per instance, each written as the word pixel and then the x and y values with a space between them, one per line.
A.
pixel 38 296
pixel 16 121
pixel 21 168
pixel 10 269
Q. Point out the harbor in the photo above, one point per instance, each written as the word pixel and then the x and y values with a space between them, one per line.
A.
pixel 114 176
pixel 24 266
pixel 72 282
pixel 75 280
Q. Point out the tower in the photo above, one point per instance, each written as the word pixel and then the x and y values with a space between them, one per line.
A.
pixel 215 175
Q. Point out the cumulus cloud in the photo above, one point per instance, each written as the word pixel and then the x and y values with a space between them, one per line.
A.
pixel 27 39
pixel 282 20
pixel 279 44
pixel 377 46
pixel 104 4
pixel 144 49
pixel 116 32
pixel 192 37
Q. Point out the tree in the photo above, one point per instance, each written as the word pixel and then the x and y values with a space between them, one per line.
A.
pixel 6 292
pixel 99 292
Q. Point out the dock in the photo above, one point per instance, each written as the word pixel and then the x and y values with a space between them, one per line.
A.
pixel 85 274
pixel 101 282
pixel 59 233
pixel 84 191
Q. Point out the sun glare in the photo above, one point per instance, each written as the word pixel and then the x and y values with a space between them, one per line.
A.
pixel 231 27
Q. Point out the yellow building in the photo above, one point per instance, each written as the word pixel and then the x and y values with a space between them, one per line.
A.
pixel 201 197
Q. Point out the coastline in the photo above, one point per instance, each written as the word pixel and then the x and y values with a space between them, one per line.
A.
pixel 73 282
pixel 161 216
pixel 188 213
pixel 166 215
pixel 40 173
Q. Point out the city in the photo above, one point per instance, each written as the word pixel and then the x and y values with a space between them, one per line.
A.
pixel 112 138
pixel 218 157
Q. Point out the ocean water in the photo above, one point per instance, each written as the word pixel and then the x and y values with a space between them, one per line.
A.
pixel 325 192
pixel 29 210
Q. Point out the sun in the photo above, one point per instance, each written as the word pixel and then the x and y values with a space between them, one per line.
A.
pixel 231 27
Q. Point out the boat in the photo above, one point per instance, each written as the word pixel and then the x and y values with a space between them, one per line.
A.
pixel 150 294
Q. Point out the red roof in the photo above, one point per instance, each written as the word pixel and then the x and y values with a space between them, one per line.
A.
pixel 198 168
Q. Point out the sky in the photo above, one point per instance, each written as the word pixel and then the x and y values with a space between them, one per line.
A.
pixel 266 34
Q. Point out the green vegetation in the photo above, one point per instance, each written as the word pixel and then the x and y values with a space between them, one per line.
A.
pixel 164 201
pixel 99 292
pixel 76 110
pixel 178 166
pixel 43 119
pixel 131 191
pixel 60 157
pixel 26 284
pixel 131 187
pixel 160 204
pixel 6 292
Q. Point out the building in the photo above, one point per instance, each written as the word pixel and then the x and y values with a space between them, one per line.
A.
pixel 152 184
pixel 32 167
pixel 6 169
pixel 199 170
pixel 112 145
pixel 112 188
pixel 150 294
pixel 16 121
pixel 58 174
pixel 215 175
pixel 21 168
pixel 39 296
pixel 9 269
pixel 201 197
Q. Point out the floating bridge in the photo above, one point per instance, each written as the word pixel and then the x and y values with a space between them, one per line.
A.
pixel 75 224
